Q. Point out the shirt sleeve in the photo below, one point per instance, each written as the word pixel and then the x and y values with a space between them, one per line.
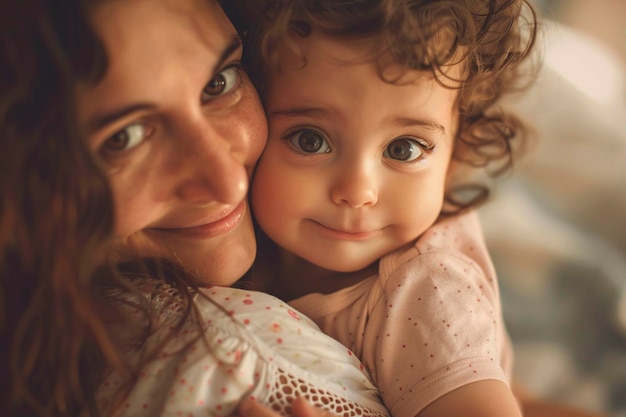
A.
pixel 205 369
pixel 236 344
pixel 433 328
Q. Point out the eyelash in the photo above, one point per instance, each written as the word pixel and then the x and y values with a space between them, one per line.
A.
pixel 147 130
pixel 239 74
pixel 296 133
pixel 424 147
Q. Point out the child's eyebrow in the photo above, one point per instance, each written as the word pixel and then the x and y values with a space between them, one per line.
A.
pixel 300 111
pixel 427 123
pixel 320 111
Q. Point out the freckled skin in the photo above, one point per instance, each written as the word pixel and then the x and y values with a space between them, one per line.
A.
pixel 180 191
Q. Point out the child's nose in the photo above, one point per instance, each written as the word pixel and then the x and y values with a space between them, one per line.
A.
pixel 355 187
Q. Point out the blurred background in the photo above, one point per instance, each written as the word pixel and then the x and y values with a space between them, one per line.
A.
pixel 557 226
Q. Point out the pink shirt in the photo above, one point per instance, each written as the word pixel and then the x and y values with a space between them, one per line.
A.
pixel 430 322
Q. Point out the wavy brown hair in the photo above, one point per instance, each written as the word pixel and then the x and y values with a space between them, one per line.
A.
pixel 59 300
pixel 55 209
pixel 490 39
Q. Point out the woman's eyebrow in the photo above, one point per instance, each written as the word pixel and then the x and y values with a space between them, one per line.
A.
pixel 101 120
pixel 234 45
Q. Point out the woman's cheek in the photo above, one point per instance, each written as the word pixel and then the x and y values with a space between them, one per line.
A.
pixel 133 206
pixel 254 120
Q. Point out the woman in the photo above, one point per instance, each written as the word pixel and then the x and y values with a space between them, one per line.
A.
pixel 174 127
pixel 172 132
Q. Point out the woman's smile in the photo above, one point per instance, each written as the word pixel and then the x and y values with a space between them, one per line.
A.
pixel 207 229
pixel 179 155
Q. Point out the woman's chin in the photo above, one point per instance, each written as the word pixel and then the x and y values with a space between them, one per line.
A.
pixel 220 260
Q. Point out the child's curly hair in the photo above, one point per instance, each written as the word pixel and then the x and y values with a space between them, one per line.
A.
pixel 488 38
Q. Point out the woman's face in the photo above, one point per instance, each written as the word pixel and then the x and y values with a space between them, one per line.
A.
pixel 178 127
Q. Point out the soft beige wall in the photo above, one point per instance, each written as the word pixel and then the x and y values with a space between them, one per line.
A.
pixel 604 19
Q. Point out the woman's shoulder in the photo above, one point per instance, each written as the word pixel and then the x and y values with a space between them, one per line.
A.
pixel 233 341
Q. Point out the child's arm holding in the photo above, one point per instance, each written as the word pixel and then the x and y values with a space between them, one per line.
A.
pixel 487 398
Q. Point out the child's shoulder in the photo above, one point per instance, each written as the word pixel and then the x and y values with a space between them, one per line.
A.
pixel 456 234
pixel 450 230
pixel 455 243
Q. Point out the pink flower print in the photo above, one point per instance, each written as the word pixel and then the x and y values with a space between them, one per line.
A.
pixel 276 328
pixel 293 314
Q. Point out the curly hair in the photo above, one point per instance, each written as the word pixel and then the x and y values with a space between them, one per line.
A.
pixel 489 39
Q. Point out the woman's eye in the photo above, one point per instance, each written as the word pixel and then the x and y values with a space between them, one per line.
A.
pixel 222 83
pixel 127 138
pixel 308 141
pixel 405 149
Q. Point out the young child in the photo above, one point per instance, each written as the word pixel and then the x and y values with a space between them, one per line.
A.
pixel 375 108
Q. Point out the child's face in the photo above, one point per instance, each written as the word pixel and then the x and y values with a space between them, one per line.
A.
pixel 355 167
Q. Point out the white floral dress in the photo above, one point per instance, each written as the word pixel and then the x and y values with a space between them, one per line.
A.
pixel 239 344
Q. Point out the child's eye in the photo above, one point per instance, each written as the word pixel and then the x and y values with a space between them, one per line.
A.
pixel 127 138
pixel 308 141
pixel 406 149
pixel 222 83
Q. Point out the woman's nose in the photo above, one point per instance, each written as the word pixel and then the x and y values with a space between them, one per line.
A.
pixel 214 170
pixel 355 187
